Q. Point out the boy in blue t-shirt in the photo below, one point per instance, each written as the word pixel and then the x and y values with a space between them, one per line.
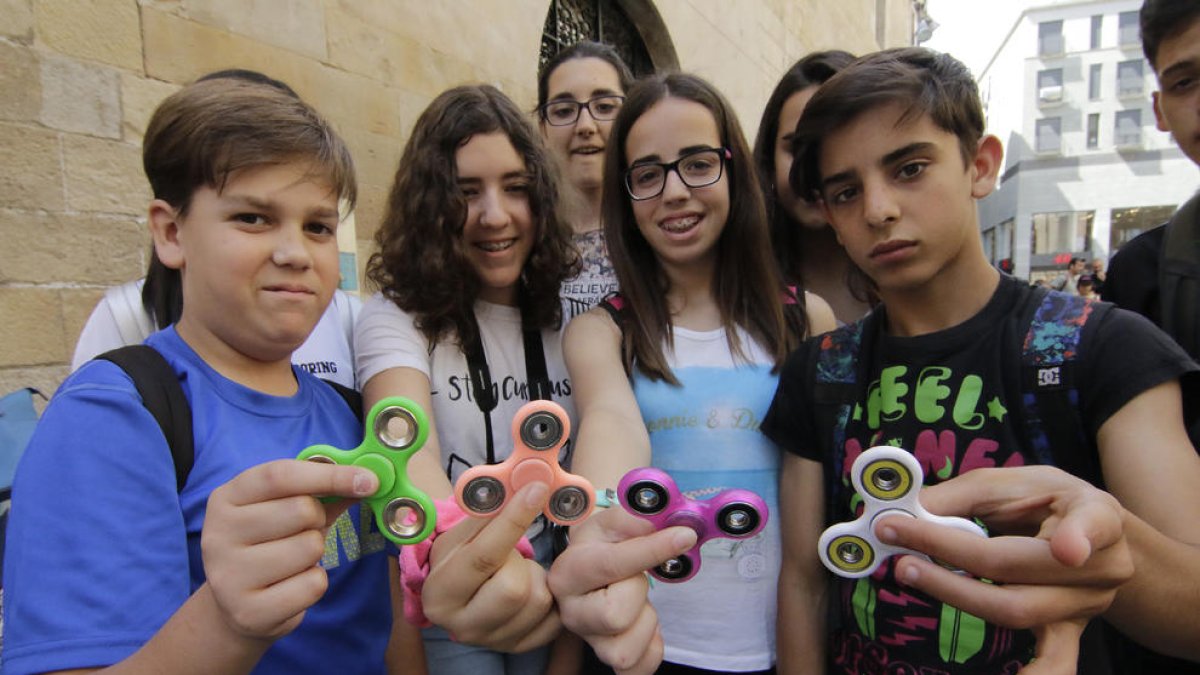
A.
pixel 894 150
pixel 242 569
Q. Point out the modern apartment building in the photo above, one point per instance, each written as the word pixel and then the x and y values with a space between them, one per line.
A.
pixel 1085 170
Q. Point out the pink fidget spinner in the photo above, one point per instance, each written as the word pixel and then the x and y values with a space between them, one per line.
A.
pixel 539 431
pixel 651 494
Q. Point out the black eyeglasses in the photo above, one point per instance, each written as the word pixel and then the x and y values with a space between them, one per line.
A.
pixel 565 112
pixel 696 169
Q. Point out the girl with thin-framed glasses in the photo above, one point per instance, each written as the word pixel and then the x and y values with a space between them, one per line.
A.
pixel 679 369
pixel 580 92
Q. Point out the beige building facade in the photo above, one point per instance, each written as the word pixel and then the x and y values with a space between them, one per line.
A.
pixel 80 78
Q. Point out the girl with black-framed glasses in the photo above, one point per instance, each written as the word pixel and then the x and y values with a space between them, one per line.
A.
pixel 676 371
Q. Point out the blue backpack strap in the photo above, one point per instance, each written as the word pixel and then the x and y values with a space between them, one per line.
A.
pixel 163 396
pixel 1050 351
pixel 835 371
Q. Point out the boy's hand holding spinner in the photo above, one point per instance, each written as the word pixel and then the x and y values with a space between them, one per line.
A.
pixel 651 494
pixel 889 480
pixel 396 428
pixel 539 430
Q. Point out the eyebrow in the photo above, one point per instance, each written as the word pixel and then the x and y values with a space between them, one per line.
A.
pixel 1177 67
pixel 567 96
pixel 890 158
pixel 263 205
pixel 508 176
pixel 681 153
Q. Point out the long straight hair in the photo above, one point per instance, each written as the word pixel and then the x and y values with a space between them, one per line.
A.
pixel 750 291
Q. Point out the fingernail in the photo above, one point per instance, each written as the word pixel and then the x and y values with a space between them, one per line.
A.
pixel 887 535
pixel 536 494
pixel 364 483
pixel 909 575
pixel 684 539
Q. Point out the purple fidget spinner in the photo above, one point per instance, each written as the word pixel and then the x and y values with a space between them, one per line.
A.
pixel 651 494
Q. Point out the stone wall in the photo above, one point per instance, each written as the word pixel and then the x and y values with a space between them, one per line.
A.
pixel 80 78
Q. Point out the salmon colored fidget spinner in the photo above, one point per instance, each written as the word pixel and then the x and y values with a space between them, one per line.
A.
pixel 540 429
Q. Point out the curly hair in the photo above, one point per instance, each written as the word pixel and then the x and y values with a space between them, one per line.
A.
pixel 422 264
pixel 749 288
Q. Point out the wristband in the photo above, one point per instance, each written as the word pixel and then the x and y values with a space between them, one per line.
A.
pixel 414 561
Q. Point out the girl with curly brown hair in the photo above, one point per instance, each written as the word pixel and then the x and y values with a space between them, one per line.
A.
pixel 472 252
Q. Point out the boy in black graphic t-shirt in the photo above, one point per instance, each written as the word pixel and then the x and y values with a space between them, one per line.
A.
pixel 893 148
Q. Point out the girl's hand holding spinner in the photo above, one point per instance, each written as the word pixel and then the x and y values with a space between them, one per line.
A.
pixel 651 494
pixel 539 430
pixel 396 428
pixel 889 480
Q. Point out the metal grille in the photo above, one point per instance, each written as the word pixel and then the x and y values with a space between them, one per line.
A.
pixel 570 21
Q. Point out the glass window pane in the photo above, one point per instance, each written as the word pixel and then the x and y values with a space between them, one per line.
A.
pixel 1127 29
pixel 1049 135
pixel 1127 129
pixel 1094 74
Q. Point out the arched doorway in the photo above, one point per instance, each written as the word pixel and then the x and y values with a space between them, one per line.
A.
pixel 633 27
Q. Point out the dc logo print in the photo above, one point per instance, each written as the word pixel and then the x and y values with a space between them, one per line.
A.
pixel 1049 377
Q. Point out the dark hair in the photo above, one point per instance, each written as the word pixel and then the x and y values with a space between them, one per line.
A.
pixel 748 287
pixel 220 124
pixel 1164 19
pixel 422 265
pixel 924 81
pixel 581 50
pixel 810 71
pixel 249 76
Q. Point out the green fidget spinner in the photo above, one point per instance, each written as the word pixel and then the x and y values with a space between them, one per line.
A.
pixel 396 429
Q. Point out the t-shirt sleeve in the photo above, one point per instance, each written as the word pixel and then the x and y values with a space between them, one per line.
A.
pixel 96 557
pixel 1127 355
pixel 789 421
pixel 386 337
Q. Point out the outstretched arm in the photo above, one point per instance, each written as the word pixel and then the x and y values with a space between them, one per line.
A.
pixel 803 582
pixel 263 537
pixel 611 437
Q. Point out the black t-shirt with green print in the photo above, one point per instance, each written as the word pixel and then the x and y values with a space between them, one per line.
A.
pixel 949 398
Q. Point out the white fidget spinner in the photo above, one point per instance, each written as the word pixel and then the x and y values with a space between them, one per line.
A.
pixel 889 480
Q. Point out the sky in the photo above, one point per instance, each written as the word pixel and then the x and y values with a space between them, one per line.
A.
pixel 972 30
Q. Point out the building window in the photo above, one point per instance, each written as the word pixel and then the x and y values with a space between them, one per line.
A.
pixel 1094 80
pixel 1050 38
pixel 571 21
pixel 1127 130
pixel 1129 223
pixel 1129 78
pixel 1093 131
pixel 1127 29
pixel 1049 135
pixel 1065 232
pixel 1005 239
pixel 1097 27
pixel 1050 86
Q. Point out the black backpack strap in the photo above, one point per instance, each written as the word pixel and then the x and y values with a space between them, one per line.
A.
pixel 352 397
pixel 163 396
pixel 1054 329
pixel 1179 276
pixel 614 304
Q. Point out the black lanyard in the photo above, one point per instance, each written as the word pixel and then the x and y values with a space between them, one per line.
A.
pixel 536 377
